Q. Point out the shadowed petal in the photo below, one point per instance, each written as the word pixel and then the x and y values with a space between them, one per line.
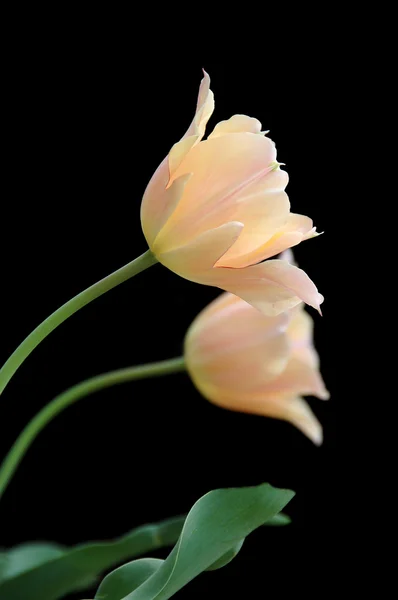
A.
pixel 196 259
pixel 272 287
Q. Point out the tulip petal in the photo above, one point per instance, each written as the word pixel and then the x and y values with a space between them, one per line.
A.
pixel 236 124
pixel 301 333
pixel 299 414
pixel 225 175
pixel 246 355
pixel 272 287
pixel 262 214
pixel 177 155
pixel 159 203
pixel 196 259
pixel 299 378
pixel 293 409
pixel 296 229
pixel 204 109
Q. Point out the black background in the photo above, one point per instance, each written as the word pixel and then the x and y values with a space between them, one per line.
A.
pixel 85 131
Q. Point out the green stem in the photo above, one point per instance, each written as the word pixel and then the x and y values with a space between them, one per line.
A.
pixel 59 316
pixel 89 386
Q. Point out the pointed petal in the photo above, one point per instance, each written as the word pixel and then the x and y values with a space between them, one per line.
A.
pixel 196 259
pixel 301 379
pixel 299 413
pixel 296 229
pixel 204 109
pixel 262 214
pixel 272 287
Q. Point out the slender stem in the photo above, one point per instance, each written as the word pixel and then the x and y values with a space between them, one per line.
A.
pixel 58 404
pixel 59 316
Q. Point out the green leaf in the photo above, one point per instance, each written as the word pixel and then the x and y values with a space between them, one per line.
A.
pixel 119 583
pixel 215 526
pixel 26 556
pixel 279 521
pixel 48 571
pixel 226 558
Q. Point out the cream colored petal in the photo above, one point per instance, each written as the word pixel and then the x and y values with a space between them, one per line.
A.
pixel 288 256
pixel 159 203
pixel 195 132
pixel 299 378
pixel 289 408
pixel 204 109
pixel 272 287
pixel 225 174
pixel 177 155
pixel 240 257
pixel 262 215
pixel 242 368
pixel 196 259
pixel 294 230
pixel 238 346
pixel 236 124
pixel 298 412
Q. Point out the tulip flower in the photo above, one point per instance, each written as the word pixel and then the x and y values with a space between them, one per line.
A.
pixel 243 360
pixel 216 208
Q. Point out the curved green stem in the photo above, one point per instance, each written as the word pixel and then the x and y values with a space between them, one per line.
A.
pixel 59 316
pixel 51 410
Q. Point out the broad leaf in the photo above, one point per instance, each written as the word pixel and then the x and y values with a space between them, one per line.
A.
pixel 48 572
pixel 215 526
pixel 119 583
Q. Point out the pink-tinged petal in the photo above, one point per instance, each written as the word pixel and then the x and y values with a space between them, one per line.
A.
pixel 204 109
pixel 195 259
pixel 177 155
pixel 299 414
pixel 288 256
pixel 225 174
pixel 295 410
pixel 301 333
pixel 244 258
pixel 272 287
pixel 236 124
pixel 244 368
pixel 247 355
pixel 296 229
pixel 159 203
pixel 262 214
pixel 299 379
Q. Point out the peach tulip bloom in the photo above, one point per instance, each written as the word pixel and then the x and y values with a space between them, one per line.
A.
pixel 214 209
pixel 243 360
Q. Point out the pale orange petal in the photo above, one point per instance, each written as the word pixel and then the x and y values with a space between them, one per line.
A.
pixel 299 378
pixel 224 175
pixel 301 333
pixel 247 354
pixel 293 409
pixel 204 109
pixel 159 203
pixel 262 214
pixel 196 259
pixel 178 153
pixel 272 287
pixel 298 412
pixel 294 230
pixel 236 124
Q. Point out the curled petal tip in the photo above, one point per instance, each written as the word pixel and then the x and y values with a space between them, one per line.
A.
pixel 316 437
